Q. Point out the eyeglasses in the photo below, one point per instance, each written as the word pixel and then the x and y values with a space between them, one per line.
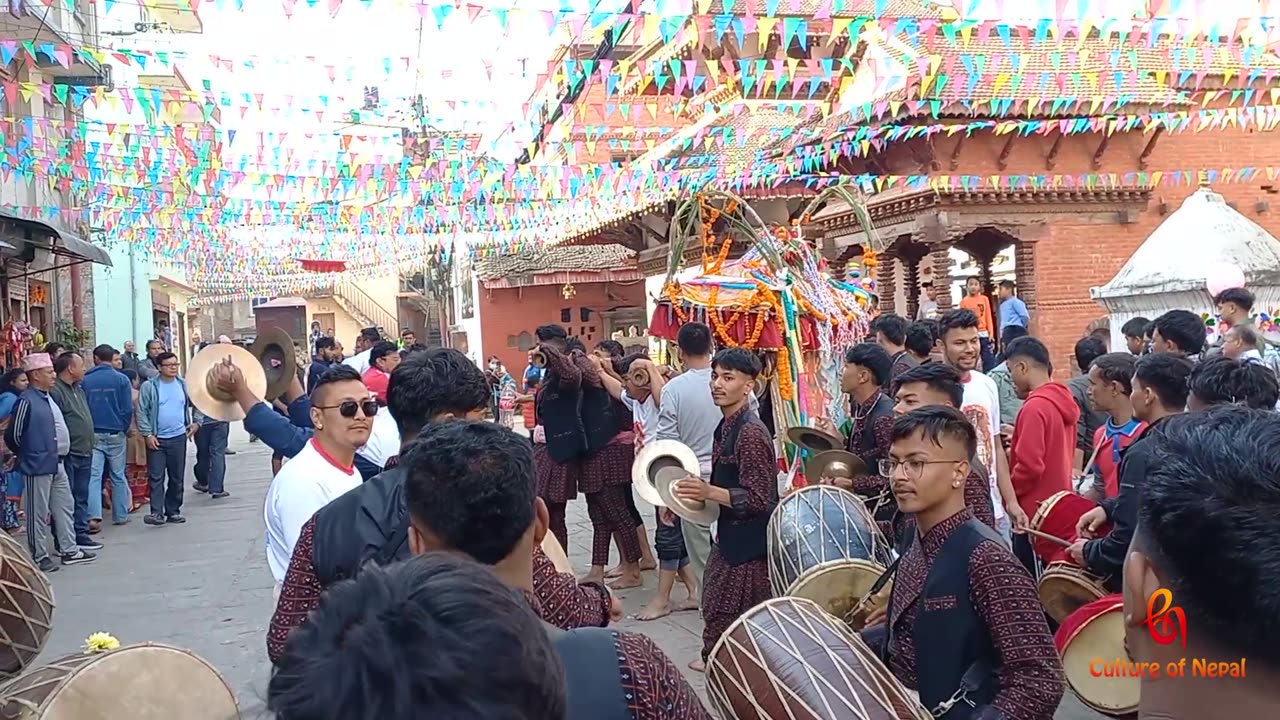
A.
pixel 348 408
pixel 169 365
pixel 913 469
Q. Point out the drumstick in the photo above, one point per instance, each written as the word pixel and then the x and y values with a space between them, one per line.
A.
pixel 1046 536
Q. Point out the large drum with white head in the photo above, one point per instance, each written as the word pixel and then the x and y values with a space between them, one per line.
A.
pixel 138 682
pixel 816 525
pixel 1092 633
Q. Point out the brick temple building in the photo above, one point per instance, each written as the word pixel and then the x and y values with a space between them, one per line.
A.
pixel 1064 240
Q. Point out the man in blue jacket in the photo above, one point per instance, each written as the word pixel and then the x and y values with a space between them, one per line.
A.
pixel 38 435
pixel 110 397
pixel 164 419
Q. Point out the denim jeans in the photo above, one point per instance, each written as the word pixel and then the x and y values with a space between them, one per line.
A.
pixel 211 455
pixel 171 460
pixel 109 456
pixel 77 468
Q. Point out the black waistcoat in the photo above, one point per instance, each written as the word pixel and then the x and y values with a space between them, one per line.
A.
pixel 952 643
pixel 369 523
pixel 863 445
pixel 742 538
pixel 600 421
pixel 560 413
pixel 593 686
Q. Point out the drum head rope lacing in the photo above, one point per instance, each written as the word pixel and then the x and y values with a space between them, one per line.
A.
pixel 878 689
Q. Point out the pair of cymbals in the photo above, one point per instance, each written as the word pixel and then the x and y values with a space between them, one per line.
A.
pixel 829 458
pixel 661 464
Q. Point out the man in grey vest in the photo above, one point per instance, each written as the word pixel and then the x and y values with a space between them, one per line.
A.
pixel 471 489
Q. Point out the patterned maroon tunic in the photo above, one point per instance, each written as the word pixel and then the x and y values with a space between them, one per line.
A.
pixel 654 687
pixel 1030 674
pixel 731 590
pixel 562 601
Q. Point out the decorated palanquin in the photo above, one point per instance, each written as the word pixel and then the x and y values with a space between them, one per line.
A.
pixel 779 299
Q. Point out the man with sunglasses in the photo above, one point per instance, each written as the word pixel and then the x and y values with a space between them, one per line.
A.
pixel 371 524
pixel 342 413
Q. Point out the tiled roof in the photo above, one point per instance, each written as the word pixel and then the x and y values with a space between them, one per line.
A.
pixel 557 258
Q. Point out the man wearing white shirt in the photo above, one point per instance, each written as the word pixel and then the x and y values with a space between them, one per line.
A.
pixel 364 343
pixel 688 413
pixel 342 413
pixel 958 330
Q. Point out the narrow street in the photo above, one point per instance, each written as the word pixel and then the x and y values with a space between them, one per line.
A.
pixel 204 586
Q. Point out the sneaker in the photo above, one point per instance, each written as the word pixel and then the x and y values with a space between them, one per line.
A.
pixel 90 545
pixel 201 487
pixel 153 519
pixel 229 452
pixel 175 519
pixel 47 565
pixel 120 522
pixel 220 495
pixel 78 557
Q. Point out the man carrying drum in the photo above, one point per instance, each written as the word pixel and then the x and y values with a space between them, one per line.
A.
pixel 1159 391
pixel 963 626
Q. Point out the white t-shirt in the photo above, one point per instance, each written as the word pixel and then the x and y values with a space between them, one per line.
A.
pixel 305 484
pixel 644 418
pixel 384 439
pixel 359 361
pixel 982 407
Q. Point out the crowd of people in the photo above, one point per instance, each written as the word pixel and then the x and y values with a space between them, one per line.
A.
pixel 955 480
pixel 406 532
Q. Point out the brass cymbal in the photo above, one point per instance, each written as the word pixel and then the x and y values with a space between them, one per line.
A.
pixel 813 439
pixel 834 463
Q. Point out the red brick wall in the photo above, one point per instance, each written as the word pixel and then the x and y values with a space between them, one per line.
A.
pixel 1073 255
pixel 507 312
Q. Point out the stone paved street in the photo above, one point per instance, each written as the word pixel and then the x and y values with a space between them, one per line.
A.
pixel 205 586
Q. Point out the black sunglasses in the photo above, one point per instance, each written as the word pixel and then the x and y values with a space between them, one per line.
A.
pixel 348 408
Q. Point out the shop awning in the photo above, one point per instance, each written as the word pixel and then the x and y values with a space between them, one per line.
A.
pixel 65 243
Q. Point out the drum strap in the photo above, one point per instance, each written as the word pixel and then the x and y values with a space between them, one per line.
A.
pixel 972 681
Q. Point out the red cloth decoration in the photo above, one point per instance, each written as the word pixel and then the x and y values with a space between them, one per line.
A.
pixel 325 266
pixel 665 325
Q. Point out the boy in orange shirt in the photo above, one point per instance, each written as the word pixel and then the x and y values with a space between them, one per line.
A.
pixel 980 305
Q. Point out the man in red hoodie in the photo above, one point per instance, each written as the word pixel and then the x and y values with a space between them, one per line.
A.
pixel 1044 435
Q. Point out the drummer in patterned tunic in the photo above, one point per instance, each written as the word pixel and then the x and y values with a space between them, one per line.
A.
pixel 744 482
pixel 964 623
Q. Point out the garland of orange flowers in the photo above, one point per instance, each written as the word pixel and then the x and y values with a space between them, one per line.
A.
pixel 674 297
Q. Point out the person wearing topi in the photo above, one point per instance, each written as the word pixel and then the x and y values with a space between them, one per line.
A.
pixel 38 435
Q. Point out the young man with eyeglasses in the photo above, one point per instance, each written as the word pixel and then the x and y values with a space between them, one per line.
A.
pixel 342 412
pixel 165 421
pixel 963 626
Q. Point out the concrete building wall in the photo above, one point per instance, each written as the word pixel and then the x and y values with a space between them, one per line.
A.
pixel 122 297
pixel 512 314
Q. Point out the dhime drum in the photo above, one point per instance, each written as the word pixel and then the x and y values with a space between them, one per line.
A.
pixel 139 682
pixel 818 524
pixel 1057 516
pixel 26 608
pixel 1065 588
pixel 1096 631
pixel 787 659
pixel 844 589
